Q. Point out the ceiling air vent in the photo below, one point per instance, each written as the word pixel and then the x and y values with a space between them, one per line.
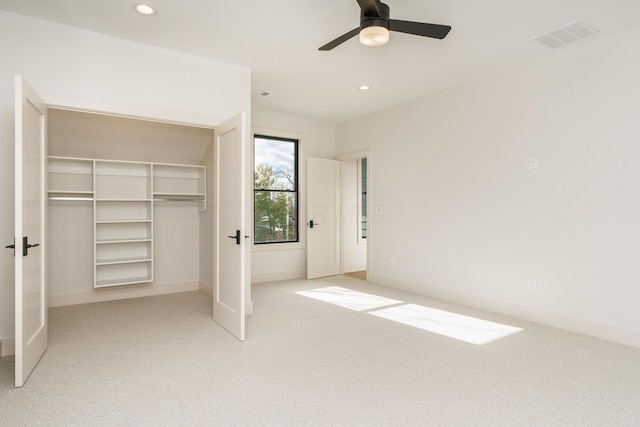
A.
pixel 568 34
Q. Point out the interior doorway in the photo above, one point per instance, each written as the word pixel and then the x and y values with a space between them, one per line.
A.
pixel 355 194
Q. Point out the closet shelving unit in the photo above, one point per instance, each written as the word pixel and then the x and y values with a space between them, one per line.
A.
pixel 123 195
pixel 180 182
pixel 123 218
pixel 70 179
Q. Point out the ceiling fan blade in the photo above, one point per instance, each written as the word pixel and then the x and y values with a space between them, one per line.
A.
pixel 435 31
pixel 369 7
pixel 343 38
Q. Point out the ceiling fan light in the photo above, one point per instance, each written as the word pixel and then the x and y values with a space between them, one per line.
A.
pixel 374 36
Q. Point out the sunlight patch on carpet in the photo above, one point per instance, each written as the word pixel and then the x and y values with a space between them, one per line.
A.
pixel 464 328
pixel 353 300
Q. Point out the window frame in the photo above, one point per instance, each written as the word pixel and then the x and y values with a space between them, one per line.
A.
pixel 296 191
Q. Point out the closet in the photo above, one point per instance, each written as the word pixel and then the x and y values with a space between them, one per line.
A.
pixel 125 200
pixel 118 208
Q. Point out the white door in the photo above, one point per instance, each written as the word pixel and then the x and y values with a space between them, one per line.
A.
pixel 30 202
pixel 323 217
pixel 231 245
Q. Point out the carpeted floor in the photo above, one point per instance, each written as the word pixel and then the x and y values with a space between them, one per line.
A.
pixel 163 361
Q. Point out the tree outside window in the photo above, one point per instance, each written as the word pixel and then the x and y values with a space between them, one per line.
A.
pixel 275 189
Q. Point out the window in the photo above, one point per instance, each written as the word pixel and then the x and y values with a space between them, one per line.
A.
pixel 362 190
pixel 275 189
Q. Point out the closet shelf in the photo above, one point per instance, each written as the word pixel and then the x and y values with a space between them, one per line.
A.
pixel 122 281
pixel 124 174
pixel 122 200
pixel 177 196
pixel 123 221
pixel 70 198
pixel 89 192
pixel 70 195
pixel 124 240
pixel 177 177
pixel 122 260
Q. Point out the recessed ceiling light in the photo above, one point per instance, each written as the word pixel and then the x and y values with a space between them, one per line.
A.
pixel 365 87
pixel 144 9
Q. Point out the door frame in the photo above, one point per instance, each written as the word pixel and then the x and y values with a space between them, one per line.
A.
pixel 354 156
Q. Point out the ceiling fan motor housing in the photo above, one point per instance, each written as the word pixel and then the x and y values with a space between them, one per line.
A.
pixel 382 20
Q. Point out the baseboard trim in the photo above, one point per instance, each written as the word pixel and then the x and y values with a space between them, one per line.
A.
pixel 276 277
pixel 206 289
pixel 112 294
pixel 560 321
pixel 354 267
pixel 7 346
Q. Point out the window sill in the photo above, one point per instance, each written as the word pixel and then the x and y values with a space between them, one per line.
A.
pixel 268 247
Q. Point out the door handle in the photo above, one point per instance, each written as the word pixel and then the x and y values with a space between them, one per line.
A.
pixel 311 224
pixel 13 246
pixel 237 237
pixel 26 246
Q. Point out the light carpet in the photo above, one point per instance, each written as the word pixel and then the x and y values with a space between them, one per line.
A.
pixel 163 361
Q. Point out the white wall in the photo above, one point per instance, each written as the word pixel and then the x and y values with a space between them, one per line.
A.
pixel 64 62
pixel 70 254
pixel 99 136
pixel 317 139
pixel 463 219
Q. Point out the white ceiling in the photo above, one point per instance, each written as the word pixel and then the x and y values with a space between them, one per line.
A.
pixel 279 40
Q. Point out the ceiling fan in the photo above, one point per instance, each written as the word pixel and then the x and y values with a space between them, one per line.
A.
pixel 375 25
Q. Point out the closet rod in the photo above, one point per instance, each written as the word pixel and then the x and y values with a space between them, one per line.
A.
pixel 177 199
pixel 82 199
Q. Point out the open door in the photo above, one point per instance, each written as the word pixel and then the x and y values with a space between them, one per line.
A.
pixel 29 243
pixel 231 243
pixel 323 217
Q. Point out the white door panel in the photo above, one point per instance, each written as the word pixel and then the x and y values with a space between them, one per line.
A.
pixel 323 217
pixel 230 278
pixel 30 201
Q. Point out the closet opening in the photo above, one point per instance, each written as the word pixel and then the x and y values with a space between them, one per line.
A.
pixel 120 208
pixel 127 212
